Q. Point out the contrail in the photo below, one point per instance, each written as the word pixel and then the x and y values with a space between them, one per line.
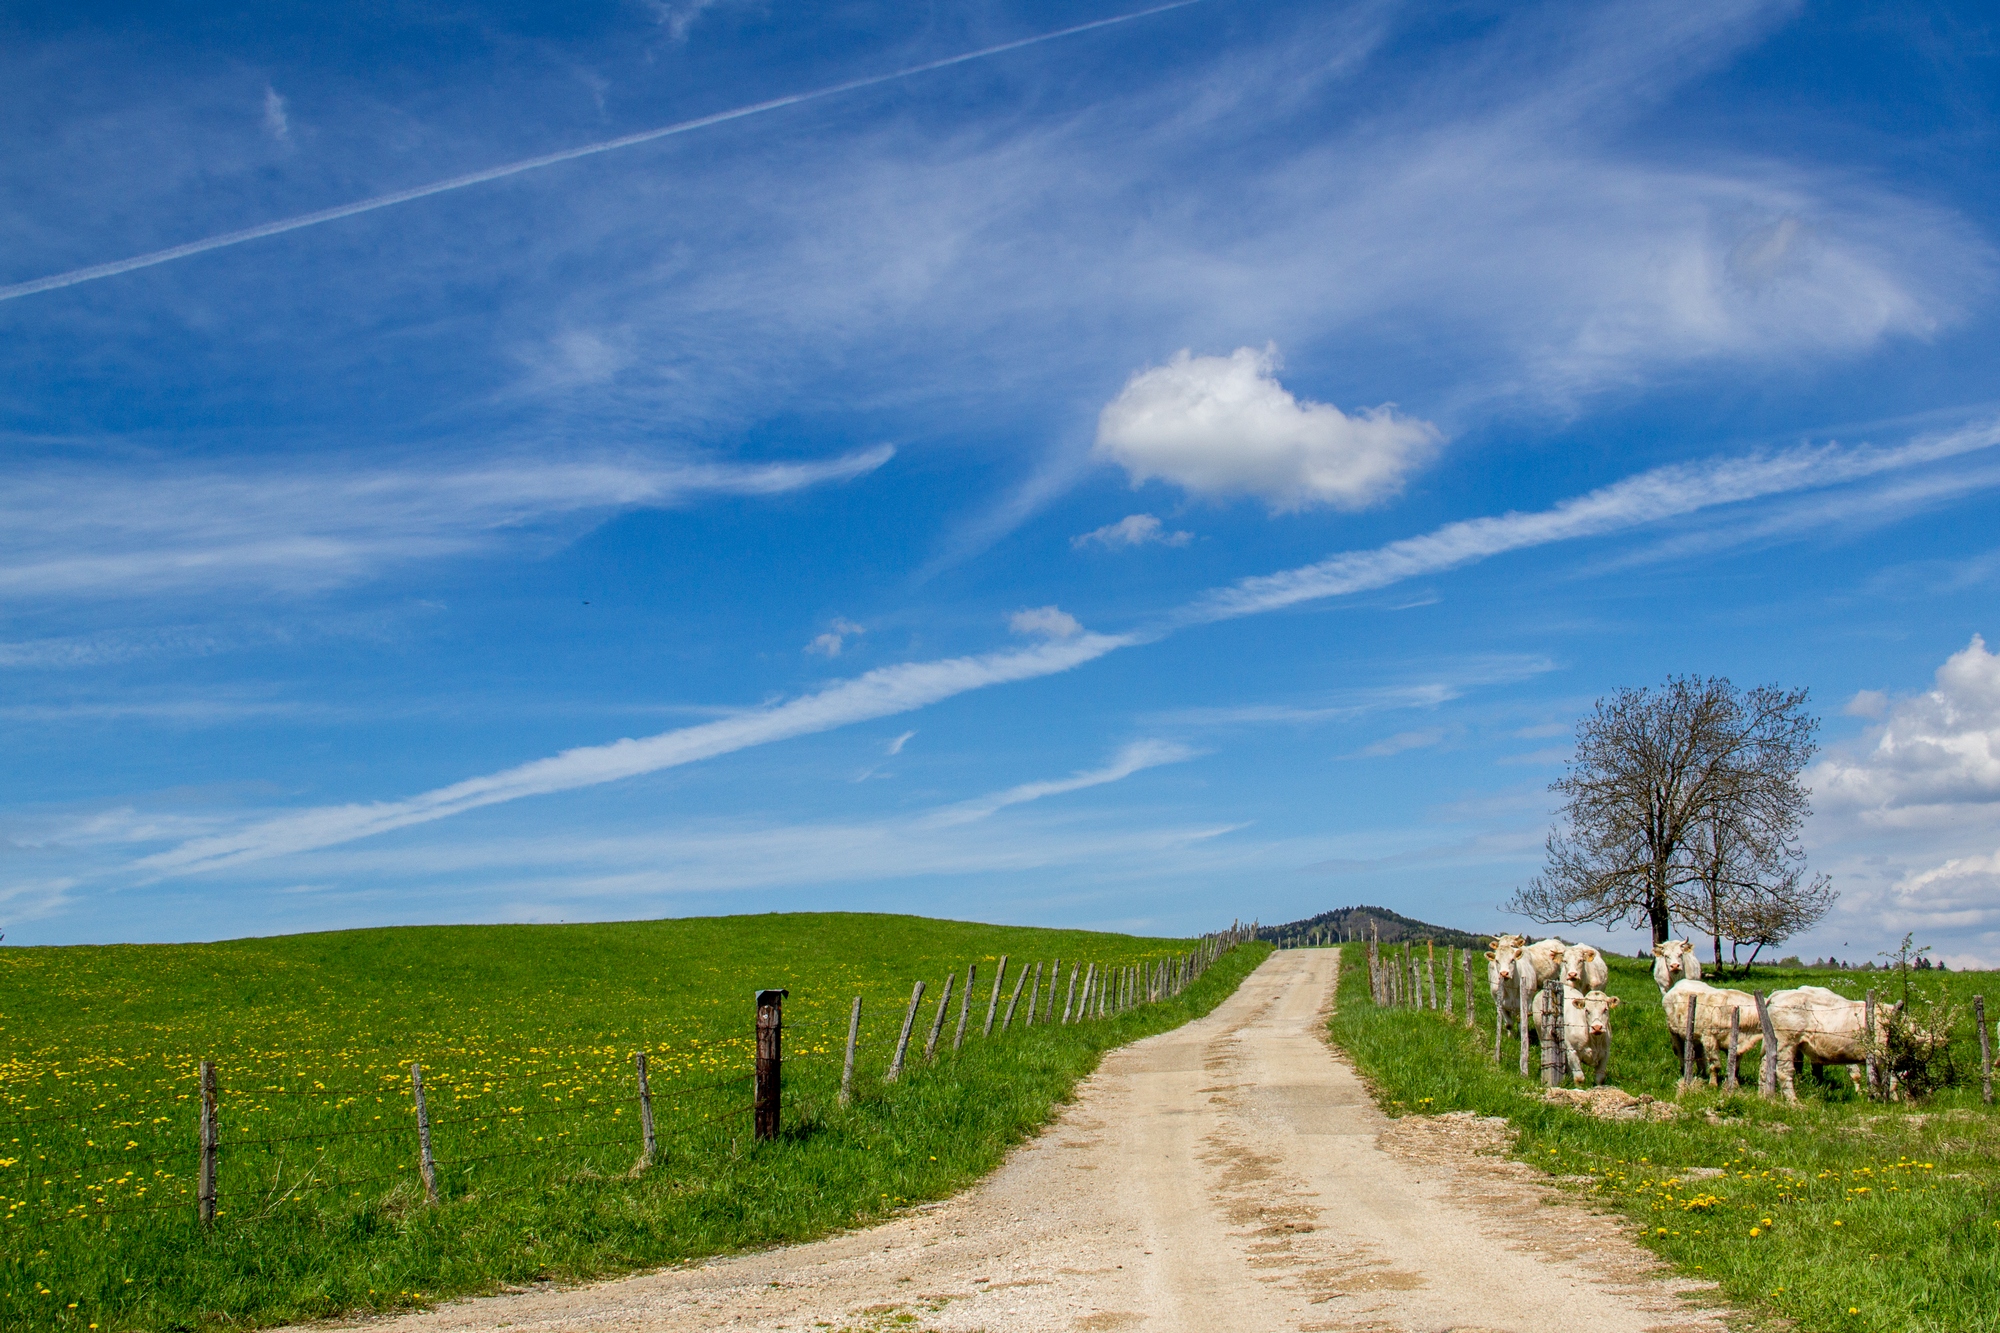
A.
pixel 167 256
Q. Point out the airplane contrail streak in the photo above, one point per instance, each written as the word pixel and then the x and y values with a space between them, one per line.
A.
pixel 279 227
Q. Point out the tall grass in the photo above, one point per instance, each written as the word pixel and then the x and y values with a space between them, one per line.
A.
pixel 526 1035
pixel 1837 1214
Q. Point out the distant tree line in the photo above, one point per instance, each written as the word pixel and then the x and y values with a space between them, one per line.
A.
pixel 1363 923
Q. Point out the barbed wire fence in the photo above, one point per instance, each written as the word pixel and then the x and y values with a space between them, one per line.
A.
pixel 232 1153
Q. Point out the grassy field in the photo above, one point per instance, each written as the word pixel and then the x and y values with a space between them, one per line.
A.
pixel 1836 1214
pixel 526 1035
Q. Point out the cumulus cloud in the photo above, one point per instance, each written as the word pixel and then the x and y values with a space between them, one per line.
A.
pixel 1935 753
pixel 1046 622
pixel 1132 530
pixel 1224 425
pixel 830 643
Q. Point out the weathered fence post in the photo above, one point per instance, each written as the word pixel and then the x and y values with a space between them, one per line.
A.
pixel 1034 993
pixel 1868 1045
pixel 1523 998
pixel 903 1039
pixel 1735 1038
pixel 1985 1050
pixel 1055 975
pixel 770 1061
pixel 993 1005
pixel 647 1144
pixel 1767 1074
pixel 847 1064
pixel 1449 967
pixel 1069 1000
pixel 964 1004
pixel 1430 974
pixel 1554 1053
pixel 424 1162
pixel 1688 1047
pixel 937 1023
pixel 210 1145
pixel 1471 1013
pixel 1014 999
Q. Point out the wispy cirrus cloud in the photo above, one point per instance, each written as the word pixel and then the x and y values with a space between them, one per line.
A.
pixel 1133 758
pixel 888 691
pixel 77 531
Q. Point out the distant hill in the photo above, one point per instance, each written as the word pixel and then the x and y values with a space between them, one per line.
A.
pixel 1361 923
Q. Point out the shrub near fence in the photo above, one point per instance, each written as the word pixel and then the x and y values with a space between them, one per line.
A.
pixel 1838 1214
pixel 317 1144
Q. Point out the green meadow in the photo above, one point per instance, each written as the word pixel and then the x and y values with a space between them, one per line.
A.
pixel 1837 1214
pixel 526 1036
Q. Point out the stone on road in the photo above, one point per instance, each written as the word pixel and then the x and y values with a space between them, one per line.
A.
pixel 1230 1175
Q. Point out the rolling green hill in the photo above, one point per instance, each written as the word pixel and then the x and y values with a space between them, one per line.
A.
pixel 1361 923
pixel 526 1036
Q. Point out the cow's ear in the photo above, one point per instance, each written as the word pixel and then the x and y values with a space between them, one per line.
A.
pixel 1491 954
pixel 1613 1002
pixel 1576 1004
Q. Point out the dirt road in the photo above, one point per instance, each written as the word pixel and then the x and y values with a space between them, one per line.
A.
pixel 1231 1175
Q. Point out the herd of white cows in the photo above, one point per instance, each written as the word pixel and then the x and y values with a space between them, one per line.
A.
pixel 1808 1023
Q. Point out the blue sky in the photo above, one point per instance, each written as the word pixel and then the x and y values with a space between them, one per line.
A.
pixel 1195 466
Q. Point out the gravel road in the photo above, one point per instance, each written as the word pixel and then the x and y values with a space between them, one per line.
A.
pixel 1231 1175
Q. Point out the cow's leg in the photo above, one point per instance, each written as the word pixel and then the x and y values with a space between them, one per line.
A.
pixel 1788 1064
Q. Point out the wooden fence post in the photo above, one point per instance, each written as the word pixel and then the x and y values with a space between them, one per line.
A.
pixel 1448 1006
pixel 903 1040
pixel 993 1005
pixel 937 1023
pixel 1499 1024
pixel 1767 1075
pixel 770 1062
pixel 1055 975
pixel 1015 998
pixel 1730 1081
pixel 1555 1053
pixel 1985 1050
pixel 1471 1014
pixel 647 1144
pixel 1688 1047
pixel 847 1064
pixel 1069 1000
pixel 1522 998
pixel 424 1161
pixel 964 1005
pixel 1034 993
pixel 1868 1044
pixel 210 1145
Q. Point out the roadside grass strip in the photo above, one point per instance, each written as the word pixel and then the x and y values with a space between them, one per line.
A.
pixel 526 1035
pixel 1838 1214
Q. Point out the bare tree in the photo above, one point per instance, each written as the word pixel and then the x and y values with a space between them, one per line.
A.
pixel 1657 776
pixel 1749 885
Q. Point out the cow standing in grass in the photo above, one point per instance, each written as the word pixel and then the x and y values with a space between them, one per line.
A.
pixel 1586 1029
pixel 1711 1023
pixel 1512 963
pixel 1824 1028
pixel 1674 960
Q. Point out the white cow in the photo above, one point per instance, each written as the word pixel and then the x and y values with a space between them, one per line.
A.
pixel 1823 1027
pixel 1711 1023
pixel 1675 958
pixel 1586 1031
pixel 1585 968
pixel 1512 963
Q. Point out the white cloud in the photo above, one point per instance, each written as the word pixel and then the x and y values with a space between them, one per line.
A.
pixel 895 746
pixel 1046 622
pixel 1867 703
pixel 1223 425
pixel 1402 741
pixel 1132 759
pixel 831 642
pixel 1132 530
pixel 133 532
pixel 1935 755
pixel 276 123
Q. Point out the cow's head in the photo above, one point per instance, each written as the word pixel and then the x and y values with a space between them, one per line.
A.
pixel 1575 959
pixel 1596 1007
pixel 1674 953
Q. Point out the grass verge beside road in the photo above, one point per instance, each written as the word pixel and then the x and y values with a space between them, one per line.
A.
pixel 526 1034
pixel 1838 1214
